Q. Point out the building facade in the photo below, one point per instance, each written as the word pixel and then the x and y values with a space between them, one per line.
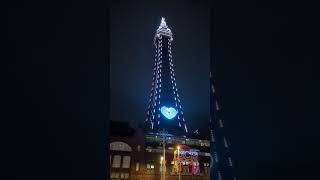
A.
pixel 138 157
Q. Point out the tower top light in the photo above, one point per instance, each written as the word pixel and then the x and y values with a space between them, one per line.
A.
pixel 163 22
pixel 163 29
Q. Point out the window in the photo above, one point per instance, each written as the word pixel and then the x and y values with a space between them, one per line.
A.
pixel 126 162
pixel 230 161
pixel 116 161
pixel 219 175
pixel 217 106
pixel 115 175
pixel 220 123
pixel 212 136
pixel 138 148
pixel 150 165
pixel 124 175
pixel 216 156
pixel 137 166
pixel 120 146
pixel 206 170
pixel 186 169
pixel 225 142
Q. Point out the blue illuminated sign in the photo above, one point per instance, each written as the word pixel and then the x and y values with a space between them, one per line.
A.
pixel 169 112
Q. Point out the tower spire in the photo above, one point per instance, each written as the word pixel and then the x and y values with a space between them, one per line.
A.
pixel 163 29
pixel 163 22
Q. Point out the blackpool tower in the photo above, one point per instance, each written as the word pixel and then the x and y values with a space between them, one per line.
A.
pixel 164 108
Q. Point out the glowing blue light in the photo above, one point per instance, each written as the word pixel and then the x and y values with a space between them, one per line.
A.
pixel 169 113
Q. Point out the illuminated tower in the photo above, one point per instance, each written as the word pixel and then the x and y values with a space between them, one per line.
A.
pixel 164 108
pixel 221 166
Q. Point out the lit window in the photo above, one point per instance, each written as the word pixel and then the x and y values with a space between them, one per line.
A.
pixel 120 146
pixel 206 168
pixel 152 166
pixel 217 106
pixel 148 166
pixel 138 148
pixel 137 166
pixel 220 123
pixel 126 162
pixel 115 175
pixel 230 161
pixel 124 176
pixel 225 142
pixel 216 156
pixel 219 175
pixel 186 169
pixel 116 161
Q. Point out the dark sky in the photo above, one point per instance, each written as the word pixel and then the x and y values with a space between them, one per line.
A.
pixel 56 103
pixel 133 27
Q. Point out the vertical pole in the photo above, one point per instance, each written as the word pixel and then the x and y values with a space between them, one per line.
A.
pixel 161 167
pixel 179 164
pixel 164 158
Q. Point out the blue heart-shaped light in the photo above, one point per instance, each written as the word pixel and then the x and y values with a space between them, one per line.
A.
pixel 169 113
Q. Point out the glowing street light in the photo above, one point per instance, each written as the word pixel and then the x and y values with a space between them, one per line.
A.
pixel 178 147
pixel 161 167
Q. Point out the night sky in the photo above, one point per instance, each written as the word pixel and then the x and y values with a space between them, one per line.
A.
pixel 56 84
pixel 133 26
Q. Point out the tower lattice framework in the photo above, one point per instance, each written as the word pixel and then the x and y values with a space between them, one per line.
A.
pixel 164 107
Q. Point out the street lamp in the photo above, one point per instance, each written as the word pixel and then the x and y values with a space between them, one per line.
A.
pixel 163 133
pixel 179 162
pixel 161 167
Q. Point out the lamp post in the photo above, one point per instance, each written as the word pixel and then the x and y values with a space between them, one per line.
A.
pixel 179 162
pixel 163 132
pixel 161 167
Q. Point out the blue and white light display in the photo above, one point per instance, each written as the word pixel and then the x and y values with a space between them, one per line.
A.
pixel 164 109
pixel 169 113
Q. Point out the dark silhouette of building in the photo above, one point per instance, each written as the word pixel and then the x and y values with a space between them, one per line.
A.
pixel 221 162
